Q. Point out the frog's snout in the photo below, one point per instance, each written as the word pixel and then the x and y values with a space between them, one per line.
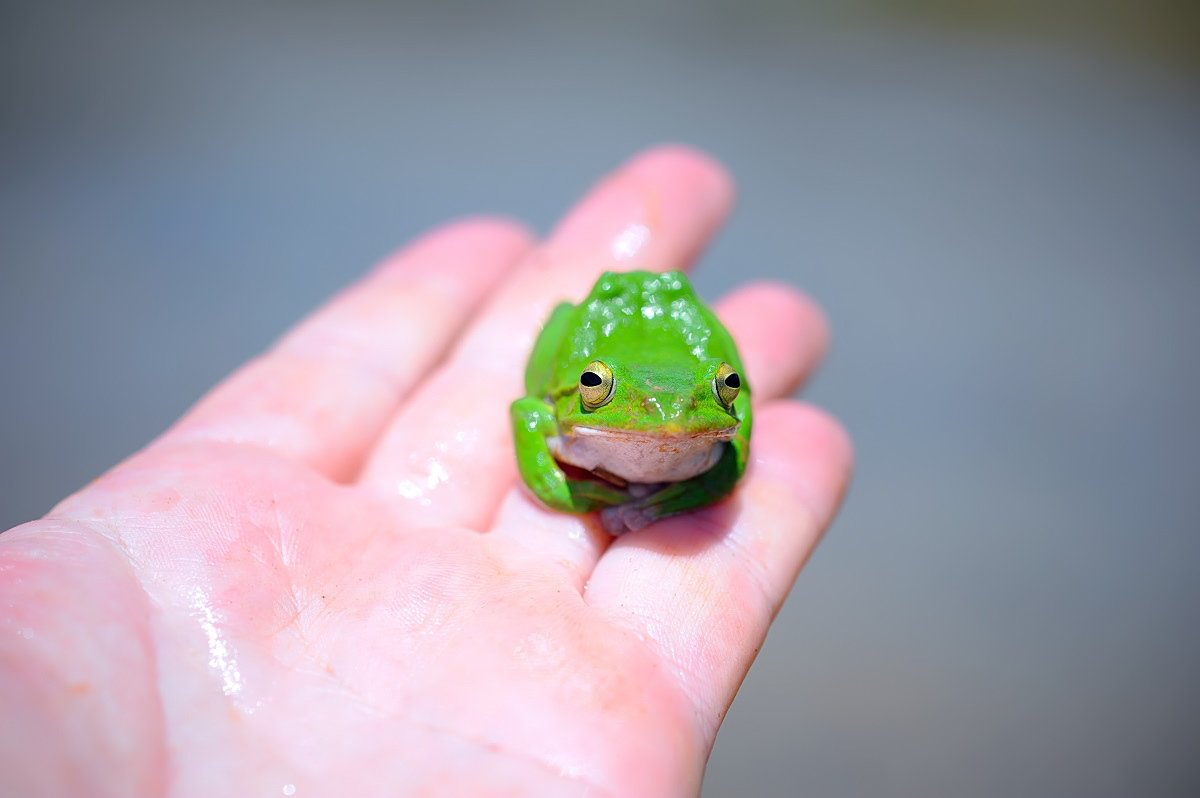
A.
pixel 654 407
pixel 668 407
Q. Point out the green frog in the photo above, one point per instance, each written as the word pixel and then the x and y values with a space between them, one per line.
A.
pixel 636 404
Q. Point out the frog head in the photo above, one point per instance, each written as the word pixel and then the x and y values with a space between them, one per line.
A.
pixel 648 422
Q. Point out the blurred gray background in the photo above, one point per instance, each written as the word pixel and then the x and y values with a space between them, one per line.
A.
pixel 998 203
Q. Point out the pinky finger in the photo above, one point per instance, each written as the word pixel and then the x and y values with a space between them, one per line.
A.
pixel 703 588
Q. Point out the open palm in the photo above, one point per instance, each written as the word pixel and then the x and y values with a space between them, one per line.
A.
pixel 326 579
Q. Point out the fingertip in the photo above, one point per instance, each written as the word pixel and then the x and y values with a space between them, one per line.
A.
pixel 818 430
pixel 463 239
pixel 700 170
pixel 497 227
pixel 781 333
pixel 809 449
pixel 809 321
pixel 781 300
pixel 656 211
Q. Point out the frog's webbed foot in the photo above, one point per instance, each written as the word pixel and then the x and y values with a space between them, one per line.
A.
pixel 631 514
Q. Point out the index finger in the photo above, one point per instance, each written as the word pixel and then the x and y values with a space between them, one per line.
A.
pixel 324 392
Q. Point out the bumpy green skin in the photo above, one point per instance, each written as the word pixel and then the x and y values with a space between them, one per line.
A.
pixel 664 346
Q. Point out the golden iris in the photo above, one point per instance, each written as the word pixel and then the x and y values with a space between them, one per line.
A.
pixel 596 385
pixel 727 384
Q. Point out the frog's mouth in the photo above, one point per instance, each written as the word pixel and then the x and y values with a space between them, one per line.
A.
pixel 635 456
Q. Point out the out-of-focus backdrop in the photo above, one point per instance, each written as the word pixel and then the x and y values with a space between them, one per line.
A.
pixel 998 203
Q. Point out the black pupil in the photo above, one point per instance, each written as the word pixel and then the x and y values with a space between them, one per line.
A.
pixel 733 380
pixel 590 379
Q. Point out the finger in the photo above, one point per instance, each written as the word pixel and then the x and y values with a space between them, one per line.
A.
pixel 449 451
pixel 701 589
pixel 326 390
pixel 781 335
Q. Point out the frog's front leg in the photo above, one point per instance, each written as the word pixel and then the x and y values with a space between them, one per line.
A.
pixel 533 424
pixel 680 497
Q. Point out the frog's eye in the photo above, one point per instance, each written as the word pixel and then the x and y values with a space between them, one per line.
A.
pixel 726 384
pixel 596 385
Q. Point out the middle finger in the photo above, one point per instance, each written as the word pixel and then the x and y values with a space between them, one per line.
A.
pixel 447 454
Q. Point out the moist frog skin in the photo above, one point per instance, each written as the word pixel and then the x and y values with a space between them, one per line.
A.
pixel 636 404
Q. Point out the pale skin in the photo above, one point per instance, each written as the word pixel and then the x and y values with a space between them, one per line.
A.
pixel 326 579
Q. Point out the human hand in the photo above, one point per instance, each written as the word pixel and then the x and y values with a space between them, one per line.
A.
pixel 326 580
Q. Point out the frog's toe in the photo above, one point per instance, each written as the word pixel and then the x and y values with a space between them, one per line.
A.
pixel 626 518
pixel 612 520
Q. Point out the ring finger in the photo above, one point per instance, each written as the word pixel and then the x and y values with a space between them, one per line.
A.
pixel 781 335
